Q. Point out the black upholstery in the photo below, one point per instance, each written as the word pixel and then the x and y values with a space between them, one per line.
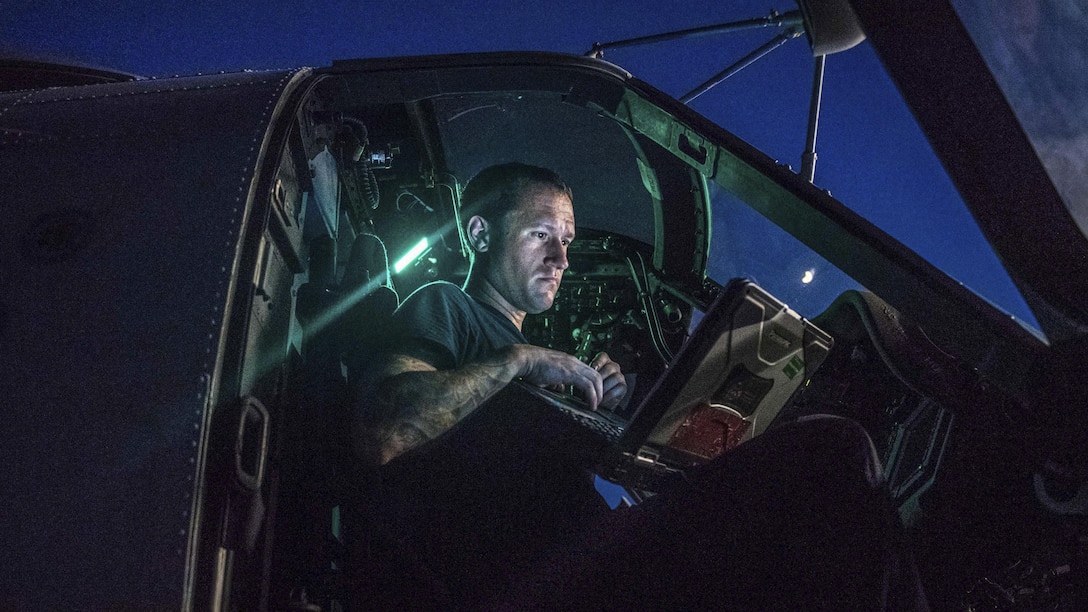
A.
pixel 323 485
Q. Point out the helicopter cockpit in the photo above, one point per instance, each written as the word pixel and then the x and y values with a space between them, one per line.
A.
pixel 366 204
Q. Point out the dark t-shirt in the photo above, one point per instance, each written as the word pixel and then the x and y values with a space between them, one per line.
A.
pixel 445 327
pixel 480 501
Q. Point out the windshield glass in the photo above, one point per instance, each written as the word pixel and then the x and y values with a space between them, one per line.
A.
pixel 872 155
pixel 1037 52
pixel 746 244
pixel 886 171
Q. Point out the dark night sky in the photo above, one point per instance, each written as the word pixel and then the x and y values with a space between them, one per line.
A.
pixel 871 154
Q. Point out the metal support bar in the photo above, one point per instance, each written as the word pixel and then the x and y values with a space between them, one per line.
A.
pixel 791 19
pixel 808 158
pixel 743 63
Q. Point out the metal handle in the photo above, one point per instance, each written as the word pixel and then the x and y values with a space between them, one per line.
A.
pixel 251 444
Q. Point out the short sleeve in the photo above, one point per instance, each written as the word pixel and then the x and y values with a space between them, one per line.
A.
pixel 426 325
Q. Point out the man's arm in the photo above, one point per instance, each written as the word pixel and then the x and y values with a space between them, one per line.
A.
pixel 414 402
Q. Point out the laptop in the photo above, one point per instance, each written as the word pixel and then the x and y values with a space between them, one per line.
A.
pixel 747 358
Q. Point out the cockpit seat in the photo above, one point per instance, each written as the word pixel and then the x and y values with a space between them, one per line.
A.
pixel 904 347
pixel 341 330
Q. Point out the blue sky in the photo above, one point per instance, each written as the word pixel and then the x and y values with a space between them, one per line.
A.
pixel 871 155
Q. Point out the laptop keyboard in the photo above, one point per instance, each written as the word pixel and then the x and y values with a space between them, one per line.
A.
pixel 569 406
pixel 605 428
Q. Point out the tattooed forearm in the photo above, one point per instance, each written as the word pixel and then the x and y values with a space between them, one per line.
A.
pixel 419 403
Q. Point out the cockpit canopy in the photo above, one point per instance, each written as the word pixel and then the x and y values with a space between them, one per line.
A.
pixel 704 205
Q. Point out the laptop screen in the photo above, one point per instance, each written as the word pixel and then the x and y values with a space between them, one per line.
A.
pixel 746 359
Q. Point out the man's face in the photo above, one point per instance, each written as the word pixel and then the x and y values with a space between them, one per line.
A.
pixel 528 249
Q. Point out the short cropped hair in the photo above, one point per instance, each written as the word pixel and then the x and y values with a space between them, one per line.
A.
pixel 496 190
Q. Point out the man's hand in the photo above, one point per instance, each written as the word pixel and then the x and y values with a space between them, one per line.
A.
pixel 601 383
pixel 547 368
pixel 613 383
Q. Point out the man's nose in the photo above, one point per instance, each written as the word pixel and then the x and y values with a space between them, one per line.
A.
pixel 557 255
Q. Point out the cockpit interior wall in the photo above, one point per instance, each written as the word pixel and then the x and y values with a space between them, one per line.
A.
pixel 123 205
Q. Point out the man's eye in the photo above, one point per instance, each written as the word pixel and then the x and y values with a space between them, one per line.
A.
pixel 541 235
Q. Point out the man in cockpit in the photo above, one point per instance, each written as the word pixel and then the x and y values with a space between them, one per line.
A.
pixel 495 507
pixel 458 348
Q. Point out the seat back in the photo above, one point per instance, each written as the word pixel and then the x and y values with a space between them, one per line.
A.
pixel 320 477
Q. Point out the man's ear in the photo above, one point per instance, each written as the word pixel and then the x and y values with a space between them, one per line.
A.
pixel 479 233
